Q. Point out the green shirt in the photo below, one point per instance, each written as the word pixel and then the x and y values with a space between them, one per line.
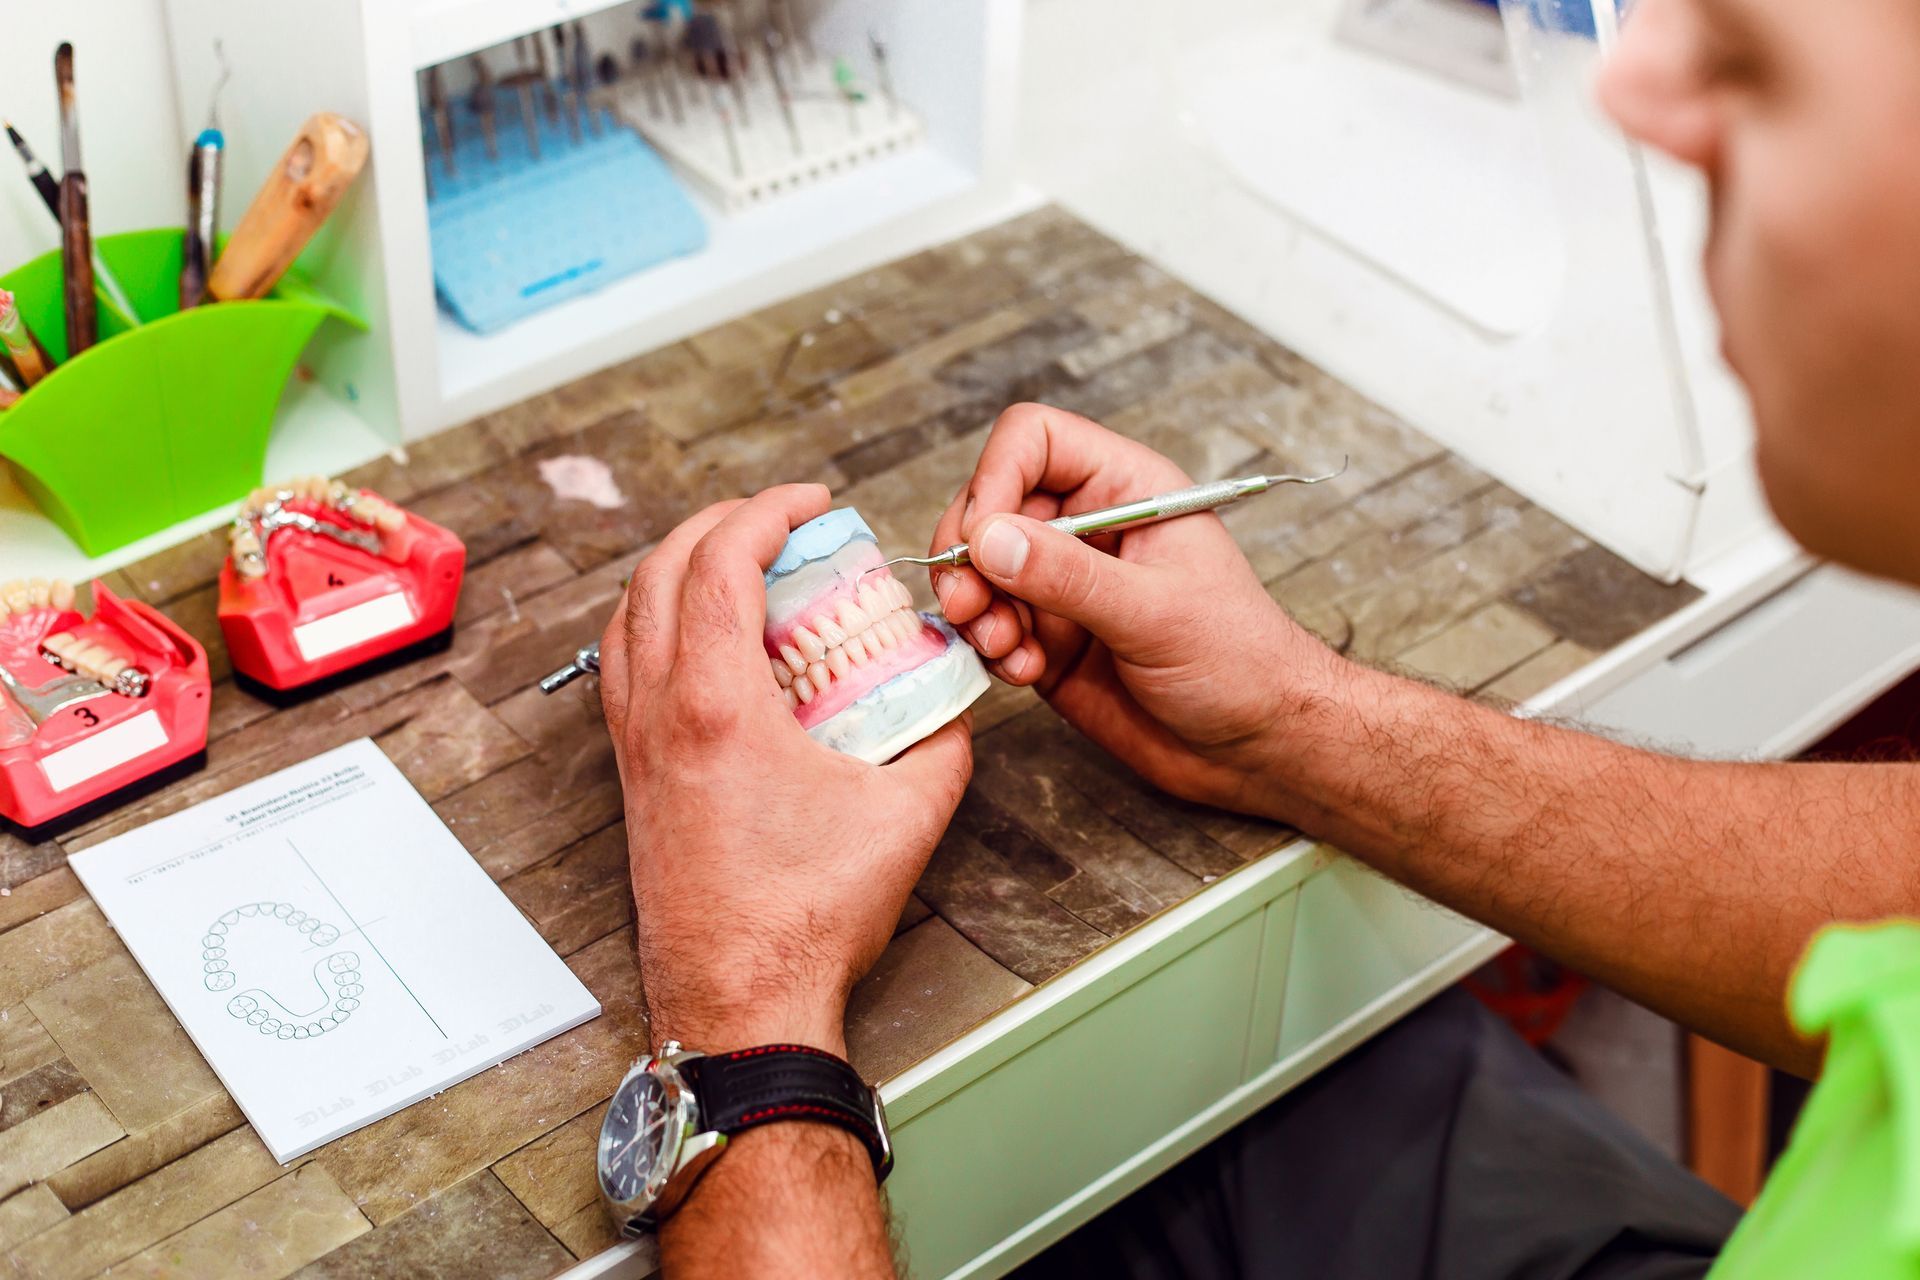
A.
pixel 1844 1201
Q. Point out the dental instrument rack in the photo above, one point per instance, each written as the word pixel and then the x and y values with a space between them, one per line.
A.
pixel 1087 524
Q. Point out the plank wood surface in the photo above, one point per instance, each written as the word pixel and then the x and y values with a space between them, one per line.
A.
pixel 117 1146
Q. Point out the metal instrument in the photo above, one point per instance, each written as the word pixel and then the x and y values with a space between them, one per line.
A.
pixel 585 662
pixel 42 702
pixel 1130 515
pixel 252 562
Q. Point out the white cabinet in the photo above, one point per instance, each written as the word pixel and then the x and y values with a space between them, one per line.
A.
pixel 418 371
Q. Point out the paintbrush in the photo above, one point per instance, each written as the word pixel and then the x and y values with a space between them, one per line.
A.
pixel 49 188
pixel 76 236
pixel 296 198
pixel 203 215
pixel 24 352
pixel 197 250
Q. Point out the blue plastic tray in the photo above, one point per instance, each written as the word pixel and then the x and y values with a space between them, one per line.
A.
pixel 516 234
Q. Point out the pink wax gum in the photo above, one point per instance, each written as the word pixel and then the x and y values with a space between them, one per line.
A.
pixel 924 645
pixel 842 586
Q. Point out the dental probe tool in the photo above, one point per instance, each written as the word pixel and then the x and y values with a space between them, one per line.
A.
pixel 1131 515
pixel 1128 515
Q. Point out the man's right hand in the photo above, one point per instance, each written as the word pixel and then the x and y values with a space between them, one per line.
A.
pixel 1159 643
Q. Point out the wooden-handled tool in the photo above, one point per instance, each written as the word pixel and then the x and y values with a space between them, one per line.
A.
pixel 296 198
pixel 76 233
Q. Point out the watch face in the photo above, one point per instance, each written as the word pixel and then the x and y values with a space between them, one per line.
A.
pixel 633 1139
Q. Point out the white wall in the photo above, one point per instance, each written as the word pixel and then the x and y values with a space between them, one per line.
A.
pixel 136 160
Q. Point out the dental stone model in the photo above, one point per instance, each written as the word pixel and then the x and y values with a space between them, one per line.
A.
pixel 863 672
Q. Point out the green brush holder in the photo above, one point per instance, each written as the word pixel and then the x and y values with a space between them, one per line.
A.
pixel 157 423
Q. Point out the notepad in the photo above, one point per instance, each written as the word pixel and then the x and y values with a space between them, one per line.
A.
pixel 330 947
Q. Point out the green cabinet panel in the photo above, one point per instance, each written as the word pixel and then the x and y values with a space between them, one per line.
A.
pixel 1358 937
pixel 1003 1152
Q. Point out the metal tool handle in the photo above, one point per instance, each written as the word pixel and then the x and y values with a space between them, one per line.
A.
pixel 1199 497
pixel 586 661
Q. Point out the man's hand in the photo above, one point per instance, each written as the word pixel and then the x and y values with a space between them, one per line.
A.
pixel 1689 886
pixel 1159 643
pixel 768 871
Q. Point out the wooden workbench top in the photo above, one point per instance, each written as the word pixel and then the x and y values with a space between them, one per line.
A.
pixel 119 1148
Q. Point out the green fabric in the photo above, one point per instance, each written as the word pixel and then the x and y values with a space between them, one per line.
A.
pixel 1844 1201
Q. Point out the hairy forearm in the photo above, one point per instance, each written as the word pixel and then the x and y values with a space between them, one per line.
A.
pixel 1689 886
pixel 791 1199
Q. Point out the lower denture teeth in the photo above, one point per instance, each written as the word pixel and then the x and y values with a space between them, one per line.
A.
pixel 791 656
pixel 839 663
pixel 817 673
pixel 857 649
pixel 781 674
pixel 793 699
pixel 803 689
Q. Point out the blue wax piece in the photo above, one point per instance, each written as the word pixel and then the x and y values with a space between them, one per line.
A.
pixel 819 538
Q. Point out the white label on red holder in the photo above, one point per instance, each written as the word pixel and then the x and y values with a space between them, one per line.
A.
pixel 98 752
pixel 343 630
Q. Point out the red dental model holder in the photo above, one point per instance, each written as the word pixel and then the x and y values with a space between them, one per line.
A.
pixel 327 604
pixel 89 749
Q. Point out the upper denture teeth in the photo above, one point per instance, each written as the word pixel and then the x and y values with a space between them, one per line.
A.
pixel 871 602
pixel 817 673
pixel 853 619
pixel 884 630
pixel 856 648
pixel 60 594
pixel 901 596
pixel 808 644
pixel 781 674
pixel 796 662
pixel 830 633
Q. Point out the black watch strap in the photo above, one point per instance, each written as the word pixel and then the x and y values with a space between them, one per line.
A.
pixel 787 1082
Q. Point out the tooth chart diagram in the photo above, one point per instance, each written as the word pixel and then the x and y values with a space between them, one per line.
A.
pixel 288 1015
pixel 313 983
pixel 329 945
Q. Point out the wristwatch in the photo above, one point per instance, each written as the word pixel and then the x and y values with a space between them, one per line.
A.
pixel 674 1111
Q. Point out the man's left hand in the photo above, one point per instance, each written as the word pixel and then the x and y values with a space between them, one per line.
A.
pixel 768 870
